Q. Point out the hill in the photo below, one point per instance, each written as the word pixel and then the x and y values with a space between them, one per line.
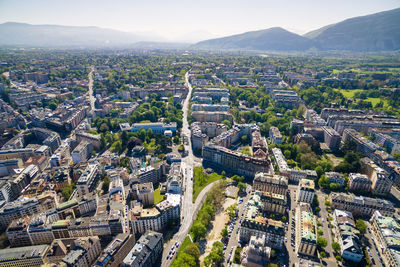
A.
pixel 274 39
pixel 376 32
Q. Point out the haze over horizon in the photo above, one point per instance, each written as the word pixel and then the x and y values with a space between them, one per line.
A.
pixel 176 20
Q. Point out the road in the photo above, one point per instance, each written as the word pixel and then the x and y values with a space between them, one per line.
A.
pixel 234 238
pixel 90 92
pixel 188 208
pixel 331 261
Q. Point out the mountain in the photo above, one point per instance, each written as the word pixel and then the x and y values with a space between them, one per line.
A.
pixel 275 39
pixel 27 35
pixel 376 32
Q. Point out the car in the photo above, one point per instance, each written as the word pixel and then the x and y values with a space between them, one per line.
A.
pixel 224 247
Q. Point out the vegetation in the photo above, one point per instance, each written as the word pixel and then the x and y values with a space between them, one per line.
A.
pixel 201 180
pixel 67 191
pixel 361 226
pixel 157 195
pixel 216 256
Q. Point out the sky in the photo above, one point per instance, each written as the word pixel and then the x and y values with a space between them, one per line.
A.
pixel 176 20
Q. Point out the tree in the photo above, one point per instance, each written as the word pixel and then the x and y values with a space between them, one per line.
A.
pixel 106 183
pixel 336 246
pixel 216 255
pixel 198 230
pixel 360 224
pixel 322 254
pixel 283 218
pixel 224 232
pixel 321 242
pixel 241 186
pixel 237 178
pixel 227 123
pixel 193 250
pixel 67 191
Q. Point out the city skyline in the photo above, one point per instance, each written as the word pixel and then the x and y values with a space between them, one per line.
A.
pixel 179 21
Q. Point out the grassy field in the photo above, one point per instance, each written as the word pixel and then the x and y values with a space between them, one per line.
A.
pixel 157 196
pixel 373 100
pixel 201 180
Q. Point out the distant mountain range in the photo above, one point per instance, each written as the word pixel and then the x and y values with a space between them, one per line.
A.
pixel 376 32
pixel 27 35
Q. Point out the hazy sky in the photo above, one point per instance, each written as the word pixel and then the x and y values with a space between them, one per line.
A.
pixel 175 18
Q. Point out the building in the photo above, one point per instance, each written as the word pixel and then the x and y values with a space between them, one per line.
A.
pixel 212 116
pixel 95 140
pixel 359 182
pixel 331 138
pixel 156 127
pixel 270 183
pixel 81 251
pixel 361 206
pixel 348 236
pixel 280 161
pixel 88 180
pixel 155 218
pixel 335 177
pixel 146 252
pixel 30 256
pixel 275 135
pixel 363 145
pixel 17 209
pixel 306 191
pixel 306 238
pixel 386 235
pixel 202 131
pixel 145 193
pixel 209 107
pixel 150 174
pixel 116 251
pixel 233 161
pixel 273 203
pixel 255 224
pixel 82 152
pixel 381 182
pixel 256 253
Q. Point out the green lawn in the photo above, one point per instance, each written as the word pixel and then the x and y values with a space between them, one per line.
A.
pixel 246 150
pixel 348 93
pixel 157 196
pixel 201 180
pixel 373 100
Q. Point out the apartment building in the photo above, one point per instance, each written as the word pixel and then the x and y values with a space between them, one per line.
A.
pixel 306 191
pixel 88 180
pixel 82 152
pixel 386 235
pixel 361 206
pixel 255 224
pixel 24 256
pixel 335 177
pixel 266 182
pixel 116 251
pixel 347 236
pixel 359 182
pixel 381 182
pixel 275 135
pixel 146 252
pixel 212 116
pixel 81 251
pixel 306 238
pixel 144 193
